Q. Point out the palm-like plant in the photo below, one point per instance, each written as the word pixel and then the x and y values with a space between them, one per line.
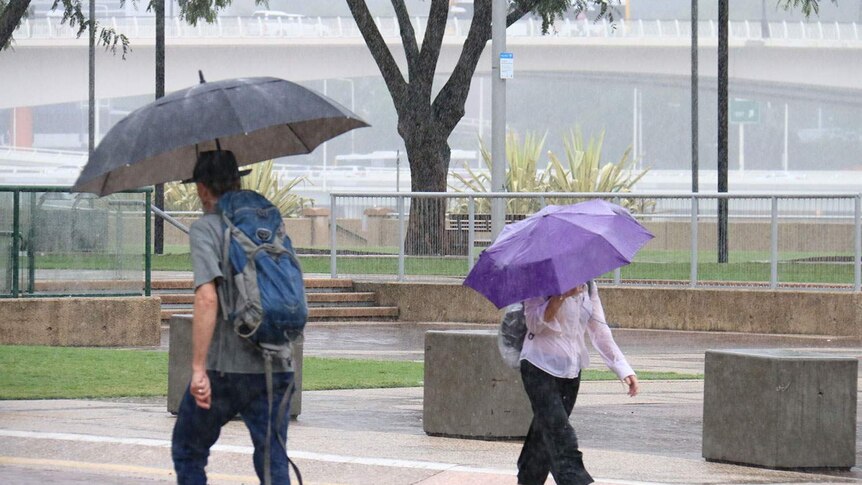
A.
pixel 262 179
pixel 522 175
pixel 583 170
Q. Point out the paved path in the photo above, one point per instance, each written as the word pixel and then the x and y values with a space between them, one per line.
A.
pixel 376 437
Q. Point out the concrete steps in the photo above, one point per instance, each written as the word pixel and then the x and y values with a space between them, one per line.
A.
pixel 328 299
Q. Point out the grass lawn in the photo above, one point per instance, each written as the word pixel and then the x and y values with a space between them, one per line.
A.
pixel 649 265
pixel 30 372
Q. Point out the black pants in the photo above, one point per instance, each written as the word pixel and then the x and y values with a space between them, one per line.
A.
pixel 551 443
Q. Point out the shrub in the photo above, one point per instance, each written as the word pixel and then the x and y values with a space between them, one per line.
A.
pixel 262 179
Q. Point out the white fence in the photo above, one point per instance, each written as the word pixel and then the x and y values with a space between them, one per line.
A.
pixel 773 240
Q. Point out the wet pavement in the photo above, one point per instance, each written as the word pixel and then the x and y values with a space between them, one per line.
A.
pixel 376 436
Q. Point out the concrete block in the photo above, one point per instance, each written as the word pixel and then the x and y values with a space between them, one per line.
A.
pixel 469 391
pixel 180 365
pixel 780 408
pixel 80 322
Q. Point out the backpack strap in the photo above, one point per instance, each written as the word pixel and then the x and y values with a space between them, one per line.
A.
pixel 282 412
pixel 226 288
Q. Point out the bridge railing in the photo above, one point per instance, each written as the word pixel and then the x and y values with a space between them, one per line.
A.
pixel 345 27
pixel 774 240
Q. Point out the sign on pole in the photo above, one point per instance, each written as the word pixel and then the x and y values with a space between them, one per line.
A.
pixel 507 65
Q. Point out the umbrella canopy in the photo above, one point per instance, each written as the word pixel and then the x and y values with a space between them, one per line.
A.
pixel 555 250
pixel 256 118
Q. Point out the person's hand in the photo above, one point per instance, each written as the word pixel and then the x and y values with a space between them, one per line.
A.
pixel 573 292
pixel 200 389
pixel 632 382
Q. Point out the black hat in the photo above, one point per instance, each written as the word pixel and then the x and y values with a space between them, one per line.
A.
pixel 216 165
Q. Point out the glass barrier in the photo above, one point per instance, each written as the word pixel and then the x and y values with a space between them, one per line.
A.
pixel 54 242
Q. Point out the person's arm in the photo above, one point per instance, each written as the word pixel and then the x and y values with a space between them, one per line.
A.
pixel 555 302
pixel 535 310
pixel 603 342
pixel 203 326
pixel 205 250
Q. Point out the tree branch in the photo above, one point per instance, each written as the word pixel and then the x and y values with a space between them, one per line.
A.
pixel 431 44
pixel 10 17
pixel 521 8
pixel 380 51
pixel 449 103
pixel 408 39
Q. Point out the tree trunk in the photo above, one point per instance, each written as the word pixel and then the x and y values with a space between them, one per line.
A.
pixel 429 166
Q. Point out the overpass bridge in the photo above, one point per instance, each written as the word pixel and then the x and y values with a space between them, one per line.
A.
pixel 49 65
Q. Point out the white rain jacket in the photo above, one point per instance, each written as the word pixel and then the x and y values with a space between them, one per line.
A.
pixel 558 346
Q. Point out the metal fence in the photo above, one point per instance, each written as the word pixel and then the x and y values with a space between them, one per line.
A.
pixel 54 242
pixel 779 240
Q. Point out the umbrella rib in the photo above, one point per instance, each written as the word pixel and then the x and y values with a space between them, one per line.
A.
pixel 301 141
pixel 236 113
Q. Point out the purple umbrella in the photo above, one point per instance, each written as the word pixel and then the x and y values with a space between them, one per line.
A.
pixel 555 250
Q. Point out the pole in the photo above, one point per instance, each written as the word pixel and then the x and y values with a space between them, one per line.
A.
pixel 785 159
pixel 91 123
pixel 159 226
pixel 641 127
pixel 857 243
pixel 695 170
pixel 773 246
pixel 498 115
pixel 324 146
pixel 148 256
pixel 723 18
pixel 635 147
pixel 333 236
pixel 741 147
pixel 764 24
pixel 694 241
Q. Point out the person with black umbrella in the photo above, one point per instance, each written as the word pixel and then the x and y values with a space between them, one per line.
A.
pixel 228 372
pixel 254 119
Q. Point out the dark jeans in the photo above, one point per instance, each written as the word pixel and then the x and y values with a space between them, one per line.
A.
pixel 551 443
pixel 197 429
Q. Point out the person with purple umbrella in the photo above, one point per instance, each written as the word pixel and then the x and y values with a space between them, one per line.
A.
pixel 552 358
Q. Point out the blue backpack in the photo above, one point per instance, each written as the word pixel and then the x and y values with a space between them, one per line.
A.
pixel 265 296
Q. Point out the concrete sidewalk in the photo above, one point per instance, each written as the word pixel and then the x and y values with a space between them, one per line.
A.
pixel 376 437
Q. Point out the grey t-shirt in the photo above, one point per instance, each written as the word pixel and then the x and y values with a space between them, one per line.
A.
pixel 228 352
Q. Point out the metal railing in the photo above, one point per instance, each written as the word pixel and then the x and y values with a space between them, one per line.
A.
pixel 345 27
pixel 775 240
pixel 170 219
pixel 54 242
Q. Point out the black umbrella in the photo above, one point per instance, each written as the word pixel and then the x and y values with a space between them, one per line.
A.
pixel 256 118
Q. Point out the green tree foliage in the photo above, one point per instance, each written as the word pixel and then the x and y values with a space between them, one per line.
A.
pixel 262 179
pixel 12 12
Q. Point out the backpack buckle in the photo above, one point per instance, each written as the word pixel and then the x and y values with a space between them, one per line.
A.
pixel 263 234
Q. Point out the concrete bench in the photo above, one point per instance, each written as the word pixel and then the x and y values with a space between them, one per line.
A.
pixel 458 227
pixel 81 322
pixel 469 391
pixel 780 408
pixel 180 365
